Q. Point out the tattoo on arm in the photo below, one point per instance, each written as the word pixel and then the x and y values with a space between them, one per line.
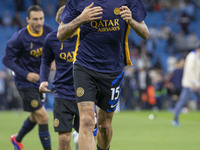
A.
pixel 67 30
pixel 140 29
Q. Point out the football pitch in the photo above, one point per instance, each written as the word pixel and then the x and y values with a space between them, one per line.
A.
pixel 133 130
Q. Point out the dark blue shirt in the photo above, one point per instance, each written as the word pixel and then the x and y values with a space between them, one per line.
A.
pixel 23 54
pixel 63 53
pixel 177 78
pixel 104 43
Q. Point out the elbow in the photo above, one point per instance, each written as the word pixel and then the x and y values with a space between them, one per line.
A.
pixel 146 36
pixel 62 36
pixel 59 36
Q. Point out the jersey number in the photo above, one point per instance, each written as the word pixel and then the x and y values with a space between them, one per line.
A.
pixel 115 91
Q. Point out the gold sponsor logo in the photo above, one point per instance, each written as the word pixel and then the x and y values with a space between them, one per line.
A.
pixel 80 92
pixel 117 11
pixel 106 25
pixel 36 52
pixel 56 122
pixel 34 103
pixel 69 57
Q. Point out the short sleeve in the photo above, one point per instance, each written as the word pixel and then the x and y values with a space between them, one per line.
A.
pixel 70 12
pixel 138 10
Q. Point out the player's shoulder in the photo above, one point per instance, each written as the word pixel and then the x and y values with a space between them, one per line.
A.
pixel 47 28
pixel 134 2
pixel 74 2
pixel 78 3
pixel 52 35
pixel 191 55
pixel 20 33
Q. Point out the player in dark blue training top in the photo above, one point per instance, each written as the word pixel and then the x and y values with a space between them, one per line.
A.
pixel 23 56
pixel 101 54
pixel 65 107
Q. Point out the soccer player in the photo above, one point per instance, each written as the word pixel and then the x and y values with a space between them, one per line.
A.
pixel 190 82
pixel 101 55
pixel 23 56
pixel 65 108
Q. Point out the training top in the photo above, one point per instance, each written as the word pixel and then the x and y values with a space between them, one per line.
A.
pixel 63 53
pixel 23 54
pixel 103 44
pixel 191 72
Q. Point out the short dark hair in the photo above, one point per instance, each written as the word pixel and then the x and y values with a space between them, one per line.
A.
pixel 33 8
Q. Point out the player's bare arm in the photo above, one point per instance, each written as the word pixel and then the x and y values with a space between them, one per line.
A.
pixel 90 13
pixel 33 77
pixel 140 28
pixel 43 87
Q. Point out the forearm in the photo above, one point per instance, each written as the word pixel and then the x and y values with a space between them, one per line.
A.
pixel 140 28
pixel 65 31
pixel 44 72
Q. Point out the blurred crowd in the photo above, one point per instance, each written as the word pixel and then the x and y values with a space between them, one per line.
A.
pixel 154 80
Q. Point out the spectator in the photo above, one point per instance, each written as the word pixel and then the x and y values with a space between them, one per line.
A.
pixel 7 19
pixel 19 4
pixel 180 41
pixel 1 22
pixel 143 82
pixel 3 91
pixel 37 2
pixel 189 9
pixel 192 39
pixel 190 82
pixel 18 21
pixel 174 86
pixel 184 21
pixel 50 9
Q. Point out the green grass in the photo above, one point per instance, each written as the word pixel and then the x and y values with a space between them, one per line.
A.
pixel 132 131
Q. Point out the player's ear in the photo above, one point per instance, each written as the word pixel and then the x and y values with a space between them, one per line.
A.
pixel 28 19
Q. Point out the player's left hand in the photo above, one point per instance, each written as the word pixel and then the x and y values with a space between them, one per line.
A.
pixel 126 14
pixel 195 88
pixel 43 87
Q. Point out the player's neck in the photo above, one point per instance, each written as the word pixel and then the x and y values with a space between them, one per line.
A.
pixel 34 32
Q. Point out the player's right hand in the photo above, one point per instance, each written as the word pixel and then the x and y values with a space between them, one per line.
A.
pixel 43 87
pixel 33 77
pixel 91 13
